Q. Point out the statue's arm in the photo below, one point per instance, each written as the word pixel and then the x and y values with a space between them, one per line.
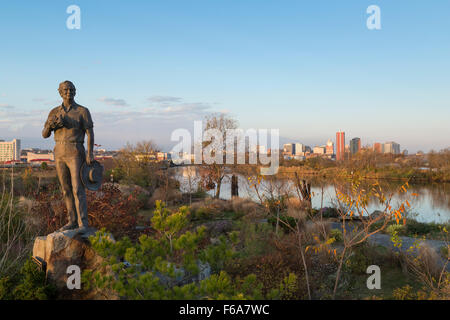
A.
pixel 90 144
pixel 47 128
pixel 46 132
pixel 89 128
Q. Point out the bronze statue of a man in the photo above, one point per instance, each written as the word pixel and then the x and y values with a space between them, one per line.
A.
pixel 70 122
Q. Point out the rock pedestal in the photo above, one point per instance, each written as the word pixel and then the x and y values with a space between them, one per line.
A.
pixel 59 250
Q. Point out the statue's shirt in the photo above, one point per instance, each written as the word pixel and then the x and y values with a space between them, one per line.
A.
pixel 77 119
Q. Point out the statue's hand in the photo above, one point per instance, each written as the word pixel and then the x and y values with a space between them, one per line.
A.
pixel 89 158
pixel 57 122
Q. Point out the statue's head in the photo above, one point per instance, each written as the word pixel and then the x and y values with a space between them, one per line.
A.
pixel 67 90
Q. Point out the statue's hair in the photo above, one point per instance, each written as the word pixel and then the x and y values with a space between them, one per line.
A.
pixel 66 82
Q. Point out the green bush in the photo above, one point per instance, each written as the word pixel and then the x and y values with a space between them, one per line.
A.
pixel 254 238
pixel 337 235
pixel 404 293
pixel 284 221
pixel 399 228
pixel 151 272
pixel 414 227
pixel 358 261
pixel 444 252
pixel 329 212
pixel 202 213
pixel 29 284
pixel 152 267
pixel 218 254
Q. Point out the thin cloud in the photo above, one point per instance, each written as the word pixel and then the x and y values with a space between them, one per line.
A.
pixel 14 119
pixel 164 99
pixel 183 109
pixel 5 106
pixel 114 102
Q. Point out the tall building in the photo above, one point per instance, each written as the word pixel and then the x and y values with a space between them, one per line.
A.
pixel 299 149
pixel 391 147
pixel 355 145
pixel 289 148
pixel 378 147
pixel 10 150
pixel 340 145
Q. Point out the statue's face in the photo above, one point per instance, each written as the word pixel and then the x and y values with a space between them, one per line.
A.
pixel 67 91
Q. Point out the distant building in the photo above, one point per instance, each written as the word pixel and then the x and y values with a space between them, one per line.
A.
pixel 181 157
pixel 319 150
pixel 160 156
pixel 32 156
pixel 299 149
pixel 329 148
pixel 10 150
pixel 289 148
pixel 355 145
pixel 378 147
pixel 340 145
pixel 391 147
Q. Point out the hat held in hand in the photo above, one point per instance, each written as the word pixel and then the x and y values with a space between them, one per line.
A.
pixel 92 175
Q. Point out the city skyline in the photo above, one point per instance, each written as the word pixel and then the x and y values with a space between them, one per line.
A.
pixel 292 148
pixel 148 69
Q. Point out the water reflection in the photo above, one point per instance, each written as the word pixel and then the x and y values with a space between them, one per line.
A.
pixel 432 203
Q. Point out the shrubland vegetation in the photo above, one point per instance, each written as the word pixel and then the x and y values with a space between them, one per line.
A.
pixel 431 167
pixel 172 245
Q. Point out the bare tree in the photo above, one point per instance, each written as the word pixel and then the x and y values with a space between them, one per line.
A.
pixel 357 223
pixel 216 172
pixel 139 163
pixel 192 180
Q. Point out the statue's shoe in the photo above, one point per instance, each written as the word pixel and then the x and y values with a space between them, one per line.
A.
pixel 83 229
pixel 86 232
pixel 69 226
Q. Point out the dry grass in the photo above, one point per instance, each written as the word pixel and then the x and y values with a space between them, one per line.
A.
pixel 429 260
pixel 15 236
pixel 246 207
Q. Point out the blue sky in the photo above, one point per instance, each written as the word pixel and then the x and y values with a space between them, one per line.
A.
pixel 309 68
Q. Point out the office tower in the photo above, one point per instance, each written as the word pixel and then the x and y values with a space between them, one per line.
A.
pixel 378 147
pixel 10 150
pixel 299 149
pixel 391 147
pixel 340 145
pixel 355 145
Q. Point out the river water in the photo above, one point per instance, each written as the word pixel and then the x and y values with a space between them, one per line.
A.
pixel 430 204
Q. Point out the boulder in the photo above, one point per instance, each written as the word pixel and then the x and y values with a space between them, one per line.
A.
pixel 218 227
pixel 59 250
pixel 376 214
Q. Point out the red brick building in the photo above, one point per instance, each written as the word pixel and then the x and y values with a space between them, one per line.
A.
pixel 340 145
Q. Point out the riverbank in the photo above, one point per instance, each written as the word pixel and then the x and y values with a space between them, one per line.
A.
pixel 412 175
